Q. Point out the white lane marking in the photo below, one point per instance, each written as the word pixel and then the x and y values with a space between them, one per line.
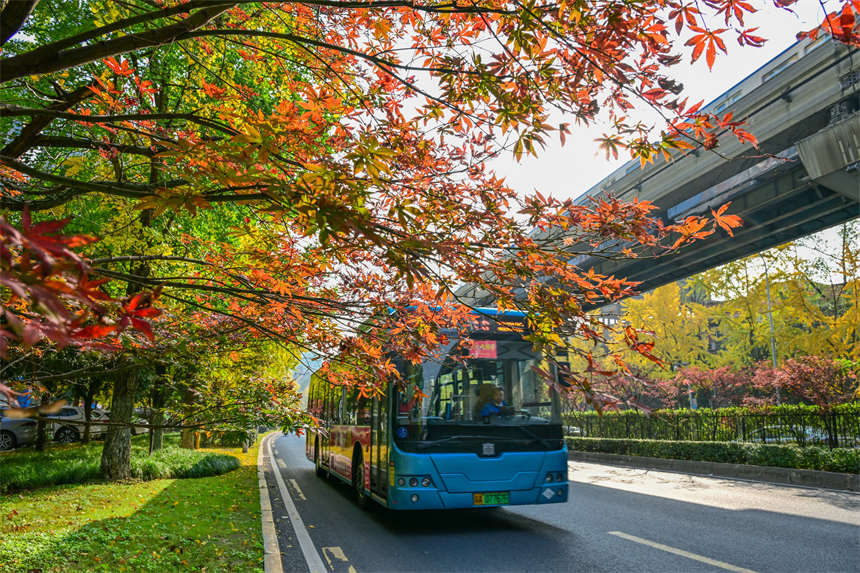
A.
pixel 336 553
pixel 681 552
pixel 296 487
pixel 312 558
pixel 281 464
pixel 271 550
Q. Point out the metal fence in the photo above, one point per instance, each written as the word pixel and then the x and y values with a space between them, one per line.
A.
pixel 826 429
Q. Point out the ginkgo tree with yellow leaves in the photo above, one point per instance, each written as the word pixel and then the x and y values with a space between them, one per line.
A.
pixel 712 334
pixel 814 300
pixel 680 327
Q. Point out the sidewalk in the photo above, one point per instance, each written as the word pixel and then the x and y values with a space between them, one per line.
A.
pixel 790 476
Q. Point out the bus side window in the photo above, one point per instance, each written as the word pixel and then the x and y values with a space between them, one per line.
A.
pixel 349 407
pixel 354 406
pixel 407 398
pixel 312 390
pixel 333 399
pixel 363 411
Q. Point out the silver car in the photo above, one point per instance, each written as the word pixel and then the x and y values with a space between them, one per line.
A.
pixel 16 432
pixel 70 432
pixel 67 433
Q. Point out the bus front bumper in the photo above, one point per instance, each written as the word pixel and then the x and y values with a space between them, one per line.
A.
pixel 408 498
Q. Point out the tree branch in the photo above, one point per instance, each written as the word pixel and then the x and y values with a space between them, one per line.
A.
pixel 13 14
pixel 28 133
pixel 111 188
pixel 41 62
pixel 14 111
pixel 51 141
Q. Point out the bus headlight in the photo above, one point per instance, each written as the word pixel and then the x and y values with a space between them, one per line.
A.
pixel 415 481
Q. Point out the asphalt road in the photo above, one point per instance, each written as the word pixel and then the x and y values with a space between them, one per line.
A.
pixel 617 519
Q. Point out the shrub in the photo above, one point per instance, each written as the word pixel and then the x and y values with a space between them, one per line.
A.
pixel 224 438
pixel 786 456
pixel 27 469
pixel 172 462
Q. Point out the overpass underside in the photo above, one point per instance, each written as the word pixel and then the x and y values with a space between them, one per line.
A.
pixel 786 206
pixel 804 177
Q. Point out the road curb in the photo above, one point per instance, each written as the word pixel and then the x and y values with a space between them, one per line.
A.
pixel 789 476
pixel 306 544
pixel 271 550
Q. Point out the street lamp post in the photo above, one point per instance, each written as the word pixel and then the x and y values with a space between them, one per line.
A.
pixel 770 319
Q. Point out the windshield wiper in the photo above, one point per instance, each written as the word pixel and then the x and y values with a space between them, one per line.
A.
pixel 428 444
pixel 546 442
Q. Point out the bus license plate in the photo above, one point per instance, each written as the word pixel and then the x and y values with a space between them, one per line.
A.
pixel 494 498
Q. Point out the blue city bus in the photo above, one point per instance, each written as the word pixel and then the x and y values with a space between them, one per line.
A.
pixel 457 447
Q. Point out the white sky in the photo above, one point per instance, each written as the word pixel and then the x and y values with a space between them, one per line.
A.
pixel 570 170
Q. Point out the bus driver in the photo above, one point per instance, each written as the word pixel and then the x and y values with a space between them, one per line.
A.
pixel 497 406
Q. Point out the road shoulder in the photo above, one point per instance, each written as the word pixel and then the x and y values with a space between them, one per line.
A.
pixel 787 476
pixel 724 493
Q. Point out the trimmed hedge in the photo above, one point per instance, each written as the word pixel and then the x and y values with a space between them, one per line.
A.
pixel 837 426
pixel 784 456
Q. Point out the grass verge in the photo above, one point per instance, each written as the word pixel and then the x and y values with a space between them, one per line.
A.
pixel 77 463
pixel 163 525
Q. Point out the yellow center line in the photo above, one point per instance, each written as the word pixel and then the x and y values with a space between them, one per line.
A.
pixel 681 552
pixel 296 487
pixel 331 553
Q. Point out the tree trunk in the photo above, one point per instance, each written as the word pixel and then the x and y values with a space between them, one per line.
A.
pixel 188 440
pixel 116 455
pixel 41 436
pixel 88 415
pixel 156 435
pixel 41 427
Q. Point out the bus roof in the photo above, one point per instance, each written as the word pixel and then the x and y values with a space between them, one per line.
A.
pixel 484 311
pixel 499 313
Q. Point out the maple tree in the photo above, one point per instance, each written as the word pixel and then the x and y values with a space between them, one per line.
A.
pixel 811 380
pixel 294 169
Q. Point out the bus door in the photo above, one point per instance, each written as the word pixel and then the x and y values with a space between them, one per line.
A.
pixel 379 438
pixel 331 417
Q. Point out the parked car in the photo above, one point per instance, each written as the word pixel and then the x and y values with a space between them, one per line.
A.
pixel 15 432
pixel 67 433
pixel 783 435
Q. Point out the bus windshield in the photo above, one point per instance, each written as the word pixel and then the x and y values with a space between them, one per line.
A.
pixel 494 394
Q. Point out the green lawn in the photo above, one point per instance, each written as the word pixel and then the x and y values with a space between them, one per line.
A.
pixel 76 463
pixel 158 525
